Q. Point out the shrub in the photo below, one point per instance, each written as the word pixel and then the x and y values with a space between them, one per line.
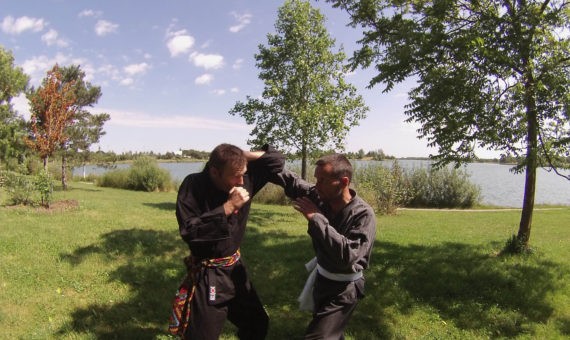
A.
pixel 114 179
pixel 20 188
pixel 385 189
pixel 143 175
pixel 443 188
pixel 90 178
pixel 146 175
pixel 44 185
pixel 271 194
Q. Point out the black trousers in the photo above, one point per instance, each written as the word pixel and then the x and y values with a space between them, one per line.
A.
pixel 235 299
pixel 334 303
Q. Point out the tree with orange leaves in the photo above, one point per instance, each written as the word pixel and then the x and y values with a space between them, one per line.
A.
pixel 52 108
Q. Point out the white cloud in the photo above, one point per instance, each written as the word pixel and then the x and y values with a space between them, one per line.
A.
pixel 234 90
pixel 124 77
pixel 179 42
pixel 104 27
pixel 204 79
pixel 242 19
pixel 88 69
pixel 16 26
pixel 141 119
pixel 135 69
pixel 89 13
pixel 22 105
pixel 237 64
pixel 38 66
pixel 219 92
pixel 207 61
pixel 110 71
pixel 51 38
pixel 127 82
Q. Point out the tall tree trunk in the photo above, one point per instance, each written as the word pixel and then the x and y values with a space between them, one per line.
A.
pixel 531 164
pixel 63 172
pixel 45 162
pixel 304 162
pixel 528 203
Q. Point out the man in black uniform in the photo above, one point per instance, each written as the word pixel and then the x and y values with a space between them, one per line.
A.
pixel 212 210
pixel 342 228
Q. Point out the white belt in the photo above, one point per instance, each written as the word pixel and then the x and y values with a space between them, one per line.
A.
pixel 306 298
pixel 338 276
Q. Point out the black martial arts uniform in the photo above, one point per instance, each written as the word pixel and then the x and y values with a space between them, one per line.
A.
pixel 222 292
pixel 343 245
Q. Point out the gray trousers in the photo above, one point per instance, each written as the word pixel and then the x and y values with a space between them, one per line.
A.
pixel 334 303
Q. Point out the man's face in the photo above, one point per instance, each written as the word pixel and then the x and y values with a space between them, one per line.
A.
pixel 228 177
pixel 328 186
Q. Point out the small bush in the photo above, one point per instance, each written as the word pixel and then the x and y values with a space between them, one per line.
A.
pixel 271 194
pixel 146 175
pixel 143 175
pixel 44 185
pixel 443 188
pixel 114 179
pixel 20 188
pixel 385 189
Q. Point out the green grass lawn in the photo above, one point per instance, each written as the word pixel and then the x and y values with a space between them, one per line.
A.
pixel 109 267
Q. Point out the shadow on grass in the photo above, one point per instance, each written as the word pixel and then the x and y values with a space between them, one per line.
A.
pixel 151 269
pixel 168 206
pixel 476 291
pixel 275 260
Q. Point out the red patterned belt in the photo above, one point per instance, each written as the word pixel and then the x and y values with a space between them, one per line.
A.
pixel 180 317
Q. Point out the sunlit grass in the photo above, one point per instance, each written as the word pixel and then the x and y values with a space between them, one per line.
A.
pixel 108 268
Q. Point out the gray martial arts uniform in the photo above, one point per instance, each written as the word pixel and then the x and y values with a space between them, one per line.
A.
pixel 343 245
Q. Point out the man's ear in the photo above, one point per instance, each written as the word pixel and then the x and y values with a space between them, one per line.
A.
pixel 345 181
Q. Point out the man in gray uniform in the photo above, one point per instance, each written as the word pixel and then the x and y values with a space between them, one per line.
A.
pixel 342 227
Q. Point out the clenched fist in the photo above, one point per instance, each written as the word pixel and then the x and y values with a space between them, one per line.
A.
pixel 238 197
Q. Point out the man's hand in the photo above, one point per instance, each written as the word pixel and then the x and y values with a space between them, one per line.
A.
pixel 238 197
pixel 306 207
pixel 253 155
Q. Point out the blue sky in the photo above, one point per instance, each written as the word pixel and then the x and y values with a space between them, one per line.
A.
pixel 171 70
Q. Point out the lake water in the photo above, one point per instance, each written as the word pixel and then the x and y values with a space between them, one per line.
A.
pixel 498 185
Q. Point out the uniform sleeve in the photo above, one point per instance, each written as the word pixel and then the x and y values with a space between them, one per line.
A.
pixel 196 226
pixel 265 168
pixel 347 252
pixel 293 185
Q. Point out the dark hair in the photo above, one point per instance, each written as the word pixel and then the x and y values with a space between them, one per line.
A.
pixel 341 166
pixel 227 154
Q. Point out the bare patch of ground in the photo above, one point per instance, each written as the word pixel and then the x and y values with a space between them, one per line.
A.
pixel 54 207
pixel 63 205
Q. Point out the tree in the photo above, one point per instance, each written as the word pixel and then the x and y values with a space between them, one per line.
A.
pixel 13 81
pixel 52 107
pixel 490 74
pixel 87 128
pixel 306 104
